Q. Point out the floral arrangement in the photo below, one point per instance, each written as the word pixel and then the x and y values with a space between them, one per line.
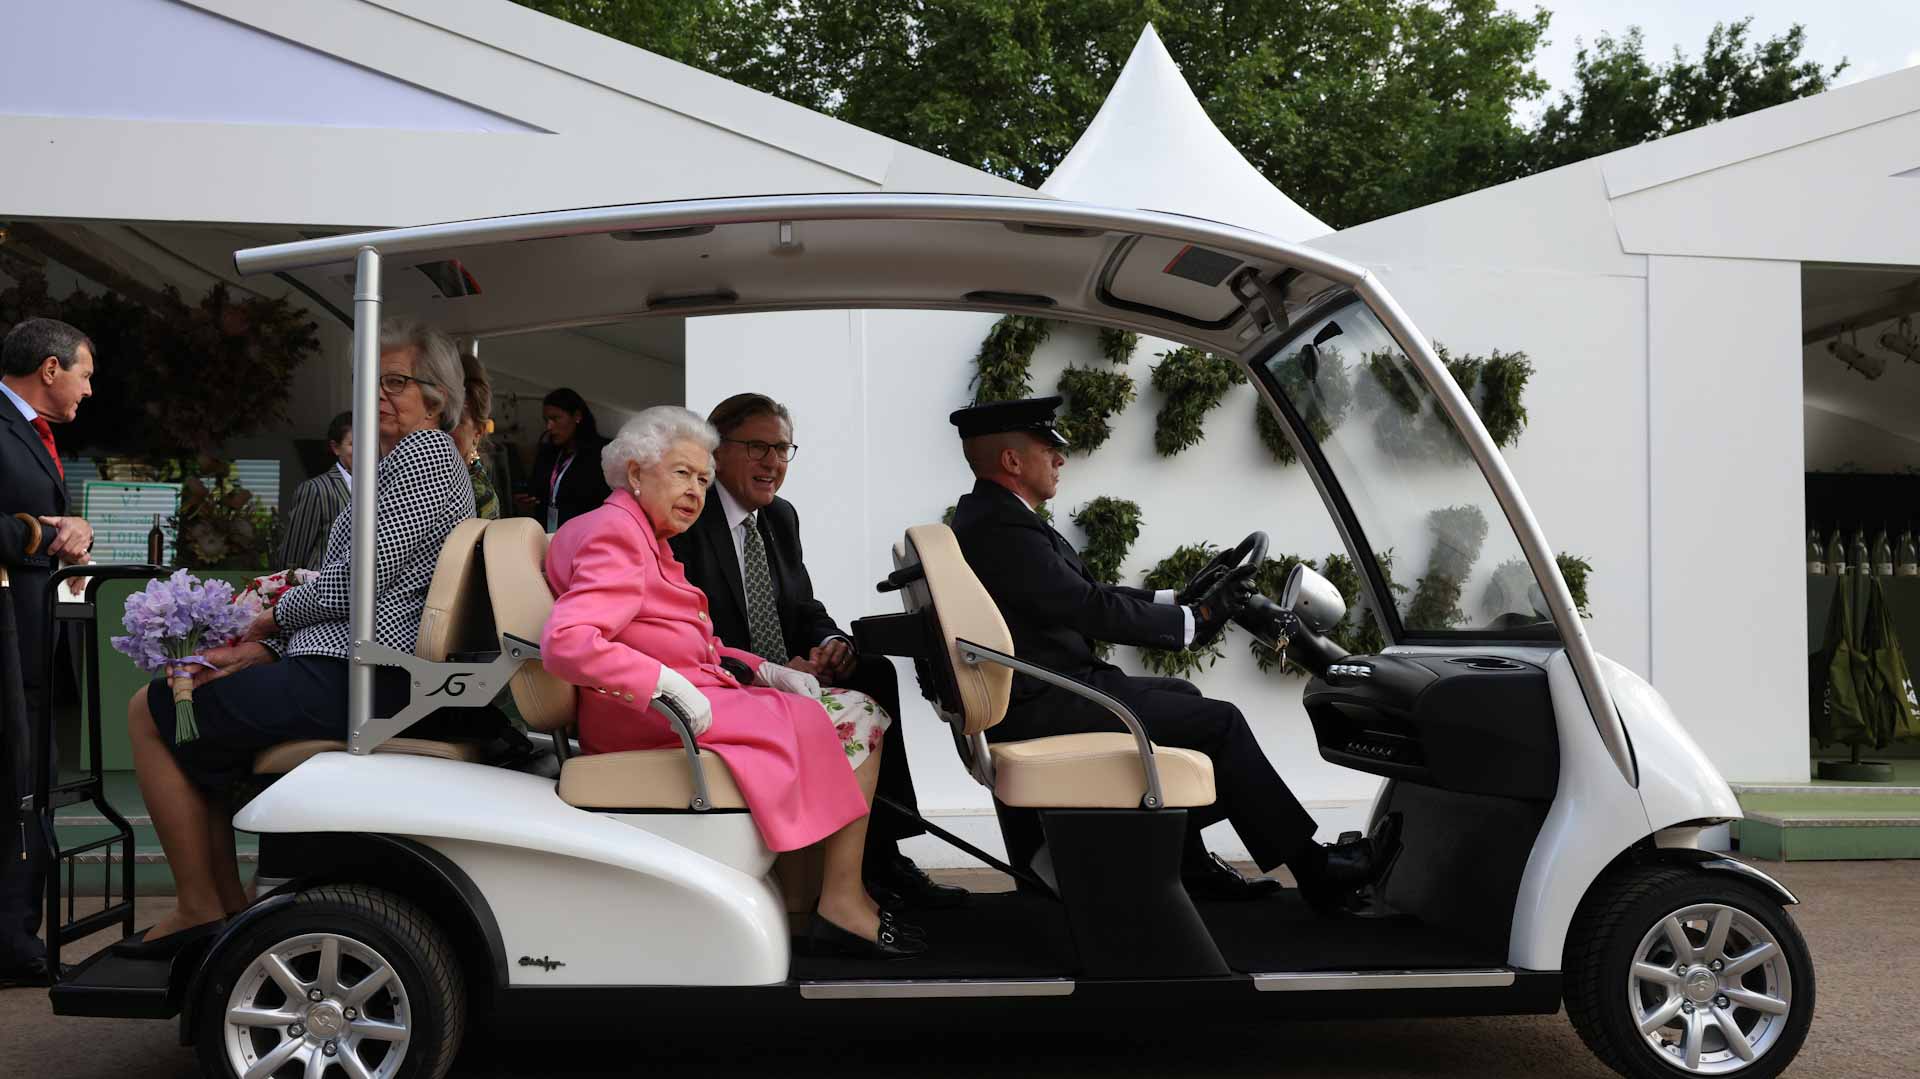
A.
pixel 170 622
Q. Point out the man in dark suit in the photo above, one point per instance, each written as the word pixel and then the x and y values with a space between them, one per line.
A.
pixel 316 502
pixel 46 370
pixel 744 553
pixel 1057 611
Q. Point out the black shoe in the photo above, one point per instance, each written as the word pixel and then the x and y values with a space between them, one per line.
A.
pixel 1329 876
pixel 26 973
pixel 890 920
pixel 139 947
pixel 827 939
pixel 1215 879
pixel 896 882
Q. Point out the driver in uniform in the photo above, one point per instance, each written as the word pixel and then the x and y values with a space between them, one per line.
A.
pixel 1057 611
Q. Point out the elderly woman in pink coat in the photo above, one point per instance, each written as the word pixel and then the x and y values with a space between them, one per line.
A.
pixel 627 627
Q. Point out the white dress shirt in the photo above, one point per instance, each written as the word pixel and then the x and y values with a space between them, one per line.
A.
pixel 27 411
pixel 737 530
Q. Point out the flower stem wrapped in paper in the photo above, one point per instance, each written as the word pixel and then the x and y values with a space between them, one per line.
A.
pixel 170 622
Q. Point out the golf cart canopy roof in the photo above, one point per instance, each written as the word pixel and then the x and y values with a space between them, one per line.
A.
pixel 1291 315
pixel 1185 279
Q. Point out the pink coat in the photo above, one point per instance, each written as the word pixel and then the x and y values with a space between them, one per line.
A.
pixel 622 608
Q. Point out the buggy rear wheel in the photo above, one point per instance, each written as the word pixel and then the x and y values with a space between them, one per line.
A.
pixel 346 981
pixel 1672 972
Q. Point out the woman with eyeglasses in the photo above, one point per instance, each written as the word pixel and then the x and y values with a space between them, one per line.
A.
pixel 287 680
pixel 560 490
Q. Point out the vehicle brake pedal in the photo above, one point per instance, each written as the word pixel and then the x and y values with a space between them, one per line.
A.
pixel 1348 837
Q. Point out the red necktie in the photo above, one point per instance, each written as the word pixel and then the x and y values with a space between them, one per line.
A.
pixel 41 425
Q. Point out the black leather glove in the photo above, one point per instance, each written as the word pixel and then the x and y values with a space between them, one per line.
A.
pixel 1228 596
pixel 1202 582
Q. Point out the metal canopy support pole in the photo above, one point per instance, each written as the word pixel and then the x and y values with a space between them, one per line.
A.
pixel 366 457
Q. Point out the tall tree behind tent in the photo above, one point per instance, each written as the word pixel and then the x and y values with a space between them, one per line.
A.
pixel 1357 109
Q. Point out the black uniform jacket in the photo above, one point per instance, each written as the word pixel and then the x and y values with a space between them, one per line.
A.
pixel 582 488
pixel 1054 607
pixel 706 550
pixel 30 484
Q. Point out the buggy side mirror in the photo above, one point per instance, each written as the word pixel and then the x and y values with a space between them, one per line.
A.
pixel 1313 600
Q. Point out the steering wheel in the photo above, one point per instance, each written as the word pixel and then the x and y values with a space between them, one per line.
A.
pixel 1254 547
pixel 1252 550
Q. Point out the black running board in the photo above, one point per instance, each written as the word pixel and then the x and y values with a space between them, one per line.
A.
pixel 115 987
pixel 1022 875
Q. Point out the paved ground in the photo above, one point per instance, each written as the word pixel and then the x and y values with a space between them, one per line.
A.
pixel 1859 918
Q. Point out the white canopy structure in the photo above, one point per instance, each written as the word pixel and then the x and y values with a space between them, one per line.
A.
pixel 1152 147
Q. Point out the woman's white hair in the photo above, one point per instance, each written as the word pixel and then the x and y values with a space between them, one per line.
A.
pixel 436 363
pixel 646 438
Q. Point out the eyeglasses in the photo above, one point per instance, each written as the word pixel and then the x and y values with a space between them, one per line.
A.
pixel 757 450
pixel 395 385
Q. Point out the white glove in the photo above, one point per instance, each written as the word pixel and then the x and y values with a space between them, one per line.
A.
pixel 786 680
pixel 687 697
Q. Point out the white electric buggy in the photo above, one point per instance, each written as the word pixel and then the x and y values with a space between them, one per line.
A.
pixel 1549 806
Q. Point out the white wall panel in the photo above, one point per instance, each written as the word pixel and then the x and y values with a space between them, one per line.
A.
pixel 1727 509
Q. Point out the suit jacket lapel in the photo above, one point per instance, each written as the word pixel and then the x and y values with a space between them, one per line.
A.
pixel 36 449
pixel 713 531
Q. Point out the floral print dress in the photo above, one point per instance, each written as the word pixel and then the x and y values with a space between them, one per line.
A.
pixel 858 721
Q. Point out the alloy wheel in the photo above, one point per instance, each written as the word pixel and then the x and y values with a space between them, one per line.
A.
pixel 1710 989
pixel 315 1003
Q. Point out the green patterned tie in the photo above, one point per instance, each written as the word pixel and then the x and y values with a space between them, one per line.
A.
pixel 763 618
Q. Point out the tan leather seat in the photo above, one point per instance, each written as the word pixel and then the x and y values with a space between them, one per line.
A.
pixel 285 757
pixel 644 779
pixel 1095 771
pixel 637 779
pixel 1070 771
pixel 456 618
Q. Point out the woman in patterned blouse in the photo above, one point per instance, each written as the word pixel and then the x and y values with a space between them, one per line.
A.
pixel 288 681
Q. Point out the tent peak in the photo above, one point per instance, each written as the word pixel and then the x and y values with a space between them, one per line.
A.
pixel 1153 147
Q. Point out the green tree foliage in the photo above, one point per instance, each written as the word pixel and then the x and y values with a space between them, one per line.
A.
pixel 1174 571
pixel 1357 109
pixel 1118 345
pixel 1094 398
pixel 1000 368
pixel 1458 533
pixel 1111 526
pixel 1621 98
pixel 1191 383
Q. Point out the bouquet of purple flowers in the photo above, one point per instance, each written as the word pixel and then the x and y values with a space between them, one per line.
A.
pixel 168 624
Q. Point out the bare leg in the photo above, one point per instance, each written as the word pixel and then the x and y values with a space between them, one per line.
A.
pixel 226 860
pixel 182 819
pixel 843 895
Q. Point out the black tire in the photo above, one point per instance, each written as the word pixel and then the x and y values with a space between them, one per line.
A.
pixel 421 956
pixel 1607 932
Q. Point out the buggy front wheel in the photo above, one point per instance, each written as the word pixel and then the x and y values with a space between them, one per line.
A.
pixel 1671 971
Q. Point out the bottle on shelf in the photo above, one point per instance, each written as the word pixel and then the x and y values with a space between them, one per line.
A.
pixel 156 544
pixel 1836 555
pixel 1858 555
pixel 1909 561
pixel 1816 557
pixel 1882 555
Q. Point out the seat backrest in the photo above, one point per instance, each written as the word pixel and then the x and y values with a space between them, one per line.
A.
pixel 961 610
pixel 457 616
pixel 516 557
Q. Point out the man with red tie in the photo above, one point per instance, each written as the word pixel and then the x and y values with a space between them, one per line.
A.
pixel 46 370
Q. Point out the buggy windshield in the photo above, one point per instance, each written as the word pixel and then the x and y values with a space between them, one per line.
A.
pixel 1443 551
